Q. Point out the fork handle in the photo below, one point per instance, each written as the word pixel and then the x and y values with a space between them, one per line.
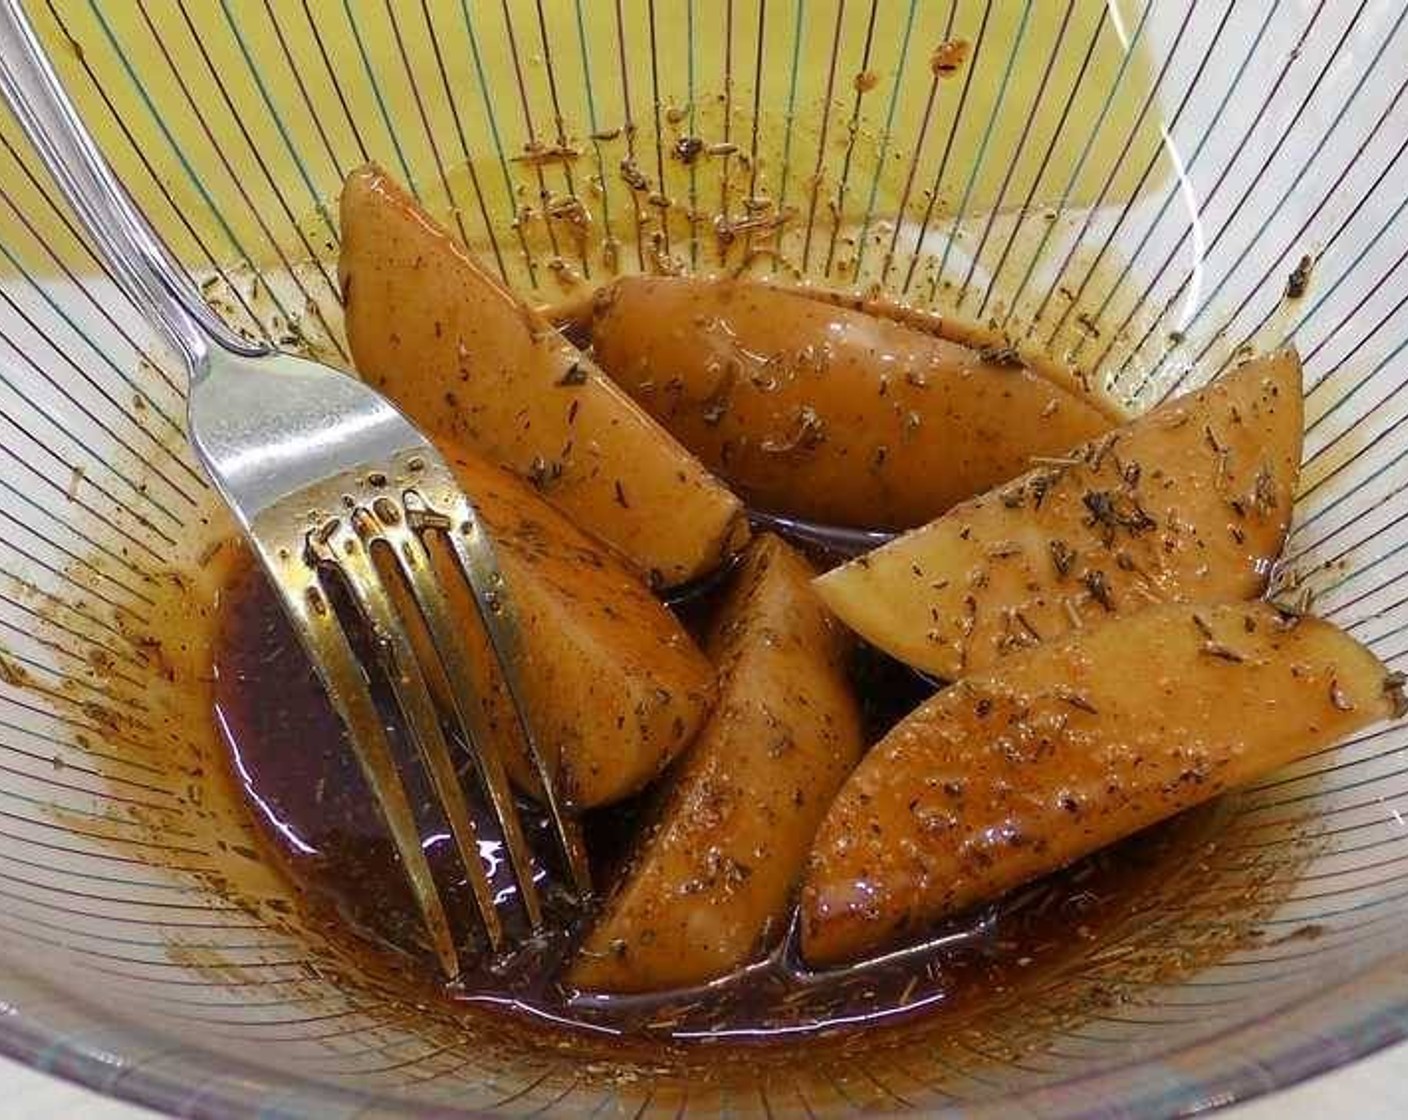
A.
pixel 141 262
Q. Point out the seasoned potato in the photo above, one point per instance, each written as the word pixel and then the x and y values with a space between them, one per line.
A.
pixel 1061 750
pixel 616 685
pixel 468 361
pixel 1189 502
pixel 712 882
pixel 964 332
pixel 825 412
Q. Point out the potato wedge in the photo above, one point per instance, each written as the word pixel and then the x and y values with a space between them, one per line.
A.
pixel 825 412
pixel 712 882
pixel 617 686
pixel 1011 774
pixel 470 362
pixel 1189 502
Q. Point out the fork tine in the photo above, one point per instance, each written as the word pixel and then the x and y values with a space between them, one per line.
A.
pixel 474 552
pixel 348 548
pixel 330 652
pixel 430 596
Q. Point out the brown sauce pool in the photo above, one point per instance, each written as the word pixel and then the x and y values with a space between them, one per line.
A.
pixel 309 802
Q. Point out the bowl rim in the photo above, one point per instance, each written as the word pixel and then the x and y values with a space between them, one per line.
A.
pixel 1241 1073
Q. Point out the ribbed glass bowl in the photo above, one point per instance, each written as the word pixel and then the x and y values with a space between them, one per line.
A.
pixel 1127 186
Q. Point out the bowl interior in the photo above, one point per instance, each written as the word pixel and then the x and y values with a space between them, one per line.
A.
pixel 1126 186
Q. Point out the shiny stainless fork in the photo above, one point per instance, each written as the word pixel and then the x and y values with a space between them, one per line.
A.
pixel 320 471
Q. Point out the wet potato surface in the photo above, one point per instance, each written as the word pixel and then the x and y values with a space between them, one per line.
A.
pixel 710 886
pixel 828 413
pixel 1064 749
pixel 1191 501
pixel 469 361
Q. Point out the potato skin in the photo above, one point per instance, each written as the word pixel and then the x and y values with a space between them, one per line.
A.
pixel 712 882
pixel 1057 752
pixel 617 686
pixel 963 332
pixel 1191 501
pixel 825 412
pixel 468 361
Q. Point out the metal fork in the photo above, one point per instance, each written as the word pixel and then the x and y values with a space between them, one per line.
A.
pixel 330 482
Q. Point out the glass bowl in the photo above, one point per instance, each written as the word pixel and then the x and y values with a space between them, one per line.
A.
pixel 1146 190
